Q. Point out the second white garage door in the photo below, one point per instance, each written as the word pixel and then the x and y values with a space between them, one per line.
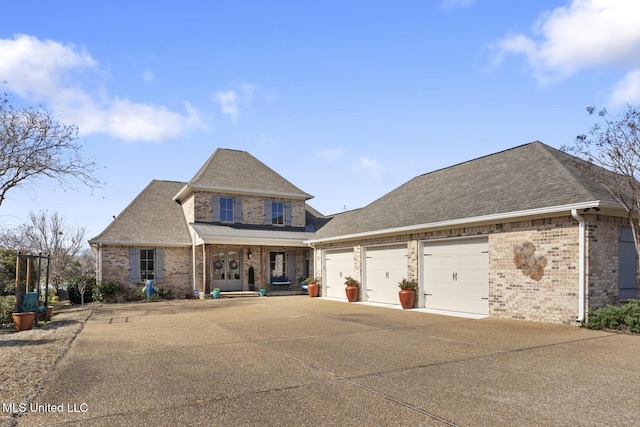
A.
pixel 338 266
pixel 456 275
pixel 385 267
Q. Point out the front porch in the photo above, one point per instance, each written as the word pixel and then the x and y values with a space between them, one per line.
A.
pixel 235 268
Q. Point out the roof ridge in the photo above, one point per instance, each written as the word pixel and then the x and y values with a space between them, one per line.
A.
pixel 564 169
pixel 478 158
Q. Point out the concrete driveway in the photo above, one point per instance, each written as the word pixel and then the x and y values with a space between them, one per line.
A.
pixel 302 361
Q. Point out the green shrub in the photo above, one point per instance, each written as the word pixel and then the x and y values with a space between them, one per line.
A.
pixel 74 293
pixel 7 305
pixel 109 291
pixel 163 293
pixel 625 317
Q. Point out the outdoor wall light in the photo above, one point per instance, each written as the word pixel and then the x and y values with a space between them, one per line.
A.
pixel 249 254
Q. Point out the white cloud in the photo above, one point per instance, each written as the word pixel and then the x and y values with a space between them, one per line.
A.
pixel 232 102
pixel 627 90
pixel 581 35
pixel 369 166
pixel 331 155
pixel 455 4
pixel 228 101
pixel 147 76
pixel 69 80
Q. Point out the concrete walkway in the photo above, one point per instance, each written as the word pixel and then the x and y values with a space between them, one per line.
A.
pixel 301 361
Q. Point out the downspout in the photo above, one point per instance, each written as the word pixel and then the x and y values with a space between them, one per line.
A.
pixel 581 265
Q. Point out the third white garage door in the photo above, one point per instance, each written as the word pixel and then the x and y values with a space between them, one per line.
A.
pixel 456 275
pixel 385 267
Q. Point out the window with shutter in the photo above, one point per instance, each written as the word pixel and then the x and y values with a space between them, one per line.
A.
pixel 159 266
pixel 134 265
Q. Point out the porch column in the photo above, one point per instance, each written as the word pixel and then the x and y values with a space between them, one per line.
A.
pixel 204 268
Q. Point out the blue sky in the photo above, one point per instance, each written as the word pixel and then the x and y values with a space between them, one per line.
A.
pixel 346 99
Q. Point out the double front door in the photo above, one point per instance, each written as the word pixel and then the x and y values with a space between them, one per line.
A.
pixel 226 269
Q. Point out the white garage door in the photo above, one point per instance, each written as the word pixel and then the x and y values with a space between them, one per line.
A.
pixel 338 265
pixel 385 268
pixel 456 275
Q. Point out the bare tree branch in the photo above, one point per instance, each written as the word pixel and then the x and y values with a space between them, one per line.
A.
pixel 612 151
pixel 48 234
pixel 34 144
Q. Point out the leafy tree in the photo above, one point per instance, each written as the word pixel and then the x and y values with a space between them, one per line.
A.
pixel 34 144
pixel 8 272
pixel 614 146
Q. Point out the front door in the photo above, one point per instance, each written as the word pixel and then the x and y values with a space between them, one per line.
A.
pixel 225 268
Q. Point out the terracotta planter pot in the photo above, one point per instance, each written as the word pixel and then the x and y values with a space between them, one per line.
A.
pixel 407 296
pixel 49 312
pixel 352 293
pixel 23 321
pixel 313 289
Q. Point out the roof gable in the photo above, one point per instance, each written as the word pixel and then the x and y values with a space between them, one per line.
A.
pixel 239 172
pixel 527 177
pixel 151 218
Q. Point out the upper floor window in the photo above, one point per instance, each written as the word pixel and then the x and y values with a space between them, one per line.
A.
pixel 277 213
pixel 226 209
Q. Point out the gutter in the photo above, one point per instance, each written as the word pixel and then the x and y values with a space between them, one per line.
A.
pixel 581 265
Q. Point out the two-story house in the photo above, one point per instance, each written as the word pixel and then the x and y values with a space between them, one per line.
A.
pixel 235 215
pixel 525 233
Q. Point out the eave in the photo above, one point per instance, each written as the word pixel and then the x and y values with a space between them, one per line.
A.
pixel 471 221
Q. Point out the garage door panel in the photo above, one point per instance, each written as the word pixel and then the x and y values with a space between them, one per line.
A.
pixel 338 266
pixel 456 275
pixel 385 268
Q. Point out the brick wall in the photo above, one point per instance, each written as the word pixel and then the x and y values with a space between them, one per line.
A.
pixel 252 208
pixel 553 298
pixel 188 208
pixel 177 268
pixel 602 267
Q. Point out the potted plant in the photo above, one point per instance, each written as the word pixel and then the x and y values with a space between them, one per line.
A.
pixel 407 292
pixel 312 284
pixel 352 288
pixel 215 293
pixel 262 290
pixel 23 321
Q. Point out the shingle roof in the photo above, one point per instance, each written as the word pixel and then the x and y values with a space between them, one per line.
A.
pixel 153 217
pixel 239 172
pixel 527 177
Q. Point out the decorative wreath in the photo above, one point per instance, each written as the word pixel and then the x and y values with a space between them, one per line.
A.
pixel 217 264
pixel 233 265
